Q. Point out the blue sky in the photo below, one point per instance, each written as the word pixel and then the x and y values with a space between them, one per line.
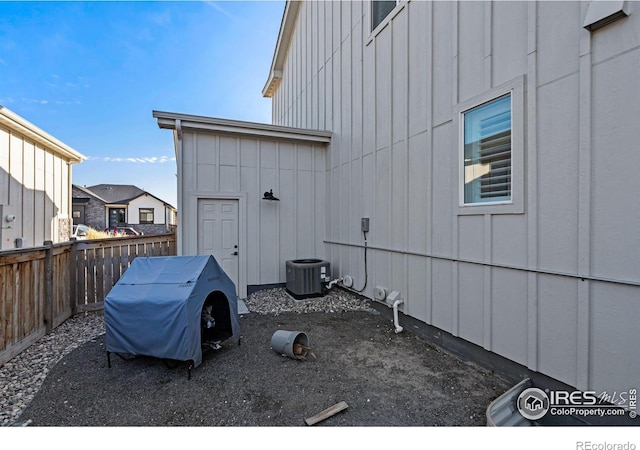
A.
pixel 91 73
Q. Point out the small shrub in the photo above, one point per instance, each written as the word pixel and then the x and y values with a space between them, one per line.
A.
pixel 95 234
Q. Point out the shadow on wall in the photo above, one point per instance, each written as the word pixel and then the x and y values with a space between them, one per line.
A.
pixel 28 217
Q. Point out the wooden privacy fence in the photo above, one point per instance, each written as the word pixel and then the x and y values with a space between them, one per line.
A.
pixel 41 287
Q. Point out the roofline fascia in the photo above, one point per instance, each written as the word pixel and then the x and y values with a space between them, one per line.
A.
pixel 151 195
pixel 22 126
pixel 282 46
pixel 169 120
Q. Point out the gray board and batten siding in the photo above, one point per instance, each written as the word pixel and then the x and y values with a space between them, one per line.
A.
pixel 551 282
pixel 35 184
pixel 226 163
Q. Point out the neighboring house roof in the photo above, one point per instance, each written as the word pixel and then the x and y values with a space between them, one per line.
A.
pixel 88 192
pixel 20 125
pixel 117 193
pixel 168 205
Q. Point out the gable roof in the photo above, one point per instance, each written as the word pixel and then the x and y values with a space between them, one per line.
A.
pixel 88 192
pixel 168 205
pixel 117 193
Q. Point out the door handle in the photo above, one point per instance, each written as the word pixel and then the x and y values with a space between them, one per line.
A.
pixel 235 253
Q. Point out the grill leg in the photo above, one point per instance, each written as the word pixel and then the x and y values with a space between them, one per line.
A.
pixel 109 360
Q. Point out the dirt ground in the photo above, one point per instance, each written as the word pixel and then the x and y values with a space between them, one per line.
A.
pixel 386 379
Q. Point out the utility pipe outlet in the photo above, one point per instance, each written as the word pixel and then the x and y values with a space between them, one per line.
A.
pixel 395 300
pixel 395 316
pixel 332 283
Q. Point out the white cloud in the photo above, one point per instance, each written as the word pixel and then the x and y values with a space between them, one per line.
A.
pixel 40 101
pixel 34 100
pixel 217 7
pixel 162 18
pixel 138 160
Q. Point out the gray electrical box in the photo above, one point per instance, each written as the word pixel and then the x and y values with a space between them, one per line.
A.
pixel 364 224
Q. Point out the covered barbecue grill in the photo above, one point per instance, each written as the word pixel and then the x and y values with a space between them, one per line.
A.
pixel 171 308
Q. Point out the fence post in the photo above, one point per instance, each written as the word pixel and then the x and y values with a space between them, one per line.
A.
pixel 73 277
pixel 48 286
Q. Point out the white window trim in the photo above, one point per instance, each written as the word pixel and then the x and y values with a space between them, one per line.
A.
pixel 400 4
pixel 515 88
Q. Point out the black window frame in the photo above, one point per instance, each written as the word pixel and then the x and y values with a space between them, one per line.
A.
pixel 146 212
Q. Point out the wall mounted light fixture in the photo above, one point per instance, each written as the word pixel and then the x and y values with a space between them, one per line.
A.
pixel 269 196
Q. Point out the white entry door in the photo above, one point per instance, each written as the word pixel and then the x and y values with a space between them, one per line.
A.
pixel 218 233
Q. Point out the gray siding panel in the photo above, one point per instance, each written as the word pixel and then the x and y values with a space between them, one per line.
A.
pixel 443 159
pixel 418 73
pixel 441 298
pixel 614 335
pixel 558 313
pixel 497 280
pixel 418 185
pixel 557 186
pixel 35 185
pixel 471 51
pixel 471 303
pixel 616 214
pixel 509 314
pixel 443 61
pixel 558 54
pixel 471 238
pixel 221 166
pixel 508 49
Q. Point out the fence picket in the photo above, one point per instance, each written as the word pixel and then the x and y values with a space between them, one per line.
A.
pixel 41 287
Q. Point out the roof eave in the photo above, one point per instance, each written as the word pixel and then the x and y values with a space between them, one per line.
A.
pixel 282 46
pixel 169 120
pixel 166 205
pixel 22 126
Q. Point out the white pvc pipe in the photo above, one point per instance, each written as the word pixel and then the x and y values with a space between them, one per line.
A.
pixel 395 315
pixel 333 283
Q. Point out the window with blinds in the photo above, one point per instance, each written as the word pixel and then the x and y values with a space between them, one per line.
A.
pixel 146 215
pixel 487 152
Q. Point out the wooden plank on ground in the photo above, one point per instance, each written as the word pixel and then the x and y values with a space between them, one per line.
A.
pixel 322 415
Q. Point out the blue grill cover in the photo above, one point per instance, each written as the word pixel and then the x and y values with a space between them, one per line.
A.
pixel 155 307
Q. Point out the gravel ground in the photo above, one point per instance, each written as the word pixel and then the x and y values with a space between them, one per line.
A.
pixel 387 379
pixel 22 376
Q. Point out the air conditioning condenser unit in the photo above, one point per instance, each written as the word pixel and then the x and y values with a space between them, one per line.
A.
pixel 307 277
